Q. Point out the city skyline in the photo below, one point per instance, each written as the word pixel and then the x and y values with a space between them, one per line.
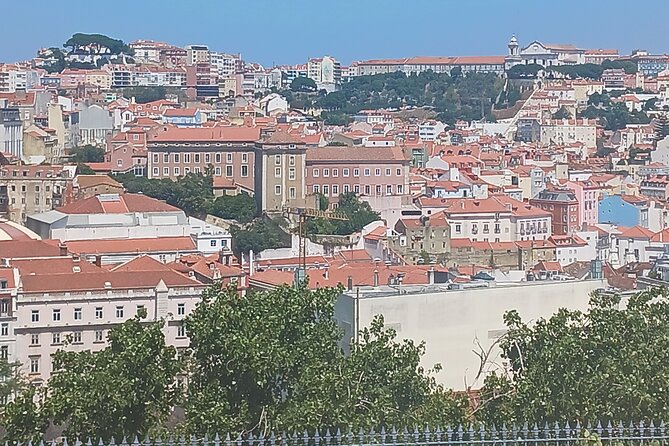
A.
pixel 365 30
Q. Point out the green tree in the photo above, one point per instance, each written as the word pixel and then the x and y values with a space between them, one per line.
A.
pixel 80 40
pixel 562 113
pixel 143 95
pixel 240 207
pixel 303 84
pixel 87 154
pixel 23 418
pixel 84 169
pixel 127 389
pixel 606 362
pixel 273 361
pixel 257 236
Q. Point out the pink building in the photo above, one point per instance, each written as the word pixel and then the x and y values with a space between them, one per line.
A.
pixel 587 193
pixel 370 171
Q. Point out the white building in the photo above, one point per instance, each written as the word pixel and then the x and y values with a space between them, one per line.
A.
pixel 429 130
pixel 197 54
pixel 225 64
pixel 325 71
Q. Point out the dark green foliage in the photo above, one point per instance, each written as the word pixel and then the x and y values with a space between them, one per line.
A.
pixel 629 66
pixel 616 116
pixel 87 154
pixel 240 207
pixel 59 64
pixel 257 236
pixel 84 169
pixel 587 71
pixel 303 84
pixel 523 71
pixel 562 113
pixel 192 192
pixel 605 363
pixel 273 361
pixel 79 40
pixel 359 214
pixel 143 95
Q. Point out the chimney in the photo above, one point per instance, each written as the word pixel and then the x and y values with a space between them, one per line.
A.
pixel 62 247
pixel 98 260
pixel 349 283
pixel 376 278
pixel 430 276
pixel 251 263
pixel 326 274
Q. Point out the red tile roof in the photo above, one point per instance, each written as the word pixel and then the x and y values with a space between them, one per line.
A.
pixel 117 204
pixel 222 134
pixel 138 245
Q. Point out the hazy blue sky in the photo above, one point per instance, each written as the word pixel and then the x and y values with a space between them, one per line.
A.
pixel 289 31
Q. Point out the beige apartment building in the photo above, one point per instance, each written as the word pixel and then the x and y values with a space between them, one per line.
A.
pixel 569 131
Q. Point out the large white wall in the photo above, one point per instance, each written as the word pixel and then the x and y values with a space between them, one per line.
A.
pixel 451 322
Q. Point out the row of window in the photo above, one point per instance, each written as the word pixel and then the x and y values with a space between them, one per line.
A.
pixel 198 157
pixel 37 188
pixel 47 201
pixel 475 228
pixel 244 171
pixel 315 172
pixel 78 315
pixel 326 189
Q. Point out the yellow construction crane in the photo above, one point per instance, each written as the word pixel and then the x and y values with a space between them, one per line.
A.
pixel 302 215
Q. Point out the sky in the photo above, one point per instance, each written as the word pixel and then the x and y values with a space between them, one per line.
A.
pixel 290 31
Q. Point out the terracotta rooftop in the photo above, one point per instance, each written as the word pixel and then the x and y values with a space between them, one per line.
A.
pixel 349 153
pixel 117 204
pixel 137 245
pixel 222 134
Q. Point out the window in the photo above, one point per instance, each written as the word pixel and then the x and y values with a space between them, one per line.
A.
pixel 315 173
pixel 367 172
pixel 181 309
pixel 345 172
pixel 326 190
pixel 387 172
pixel 277 172
pixel 277 190
pixel 245 171
pixel 76 337
pixel 4 329
pixel 356 188
pixel 166 157
pixel 34 315
pixel 228 157
pixel 196 158
pixel 119 312
pixel 218 158
pixel 34 365
pixel 458 228
pixel 98 312
pixel 176 172
pixel 368 189
pixel 228 171
pixel 155 171
pixel 389 189
pixel 212 243
pixel 326 172
pixel 55 338
pixel 292 192
pixel 99 336
pixel 335 172
pixel 187 170
pixel 245 157
pixel 177 158
pixel 166 171
pixel 155 158
pixel 378 189
pixel 335 190
pixel 356 172
pixel 399 172
pixel 377 172
pixel 291 160
pixel 34 339
pixel 486 228
pixel 139 309
pixel 56 314
pixel 77 314
pixel 207 158
pixel 400 189
pixel 317 188
pixel 291 173
pixel 347 188
pixel 186 157
pixel 4 352
pixel 37 188
pixel 181 331
pixel 277 160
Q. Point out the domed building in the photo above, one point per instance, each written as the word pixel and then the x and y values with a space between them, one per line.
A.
pixel 15 232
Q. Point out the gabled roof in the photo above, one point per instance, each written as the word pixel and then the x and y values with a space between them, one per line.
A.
pixel 117 204
pixel 636 232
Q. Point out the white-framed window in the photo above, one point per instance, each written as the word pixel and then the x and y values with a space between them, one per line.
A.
pixel 291 160
pixel 368 189
pixel 177 172
pixel 345 172
pixel 186 157
pixel 245 157
pixel 291 173
pixel 4 352
pixel 207 158
pixel 292 192
pixel 55 338
pixel 389 189
pixel 181 309
pixel 228 171
pixel 356 188
pixel 34 315
pixel 317 188
pixel 99 336
pixel 166 171
pixel 34 339
pixel 399 172
pixel 56 314
pixel 400 189
pixel 155 171
pixel 335 190
pixel 277 190
pixel 377 172
pixel 335 172
pixel 326 172
pixel 98 312
pixel 76 337
pixel 388 172
pixel 277 160
pixel 155 158
pixel 166 158
pixel 4 329
pixel 181 331
pixel 277 172
pixel 356 172
pixel 119 312
pixel 378 189
pixel 367 172
pixel 245 171
pixel 228 157
pixel 347 188
pixel 315 173
pixel 218 158
pixel 177 158
pixel 326 190
pixel 34 365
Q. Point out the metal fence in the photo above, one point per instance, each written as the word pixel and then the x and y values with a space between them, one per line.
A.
pixel 557 434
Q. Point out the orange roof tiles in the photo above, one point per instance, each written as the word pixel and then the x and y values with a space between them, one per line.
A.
pixel 124 203
pixel 223 134
pixel 137 245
